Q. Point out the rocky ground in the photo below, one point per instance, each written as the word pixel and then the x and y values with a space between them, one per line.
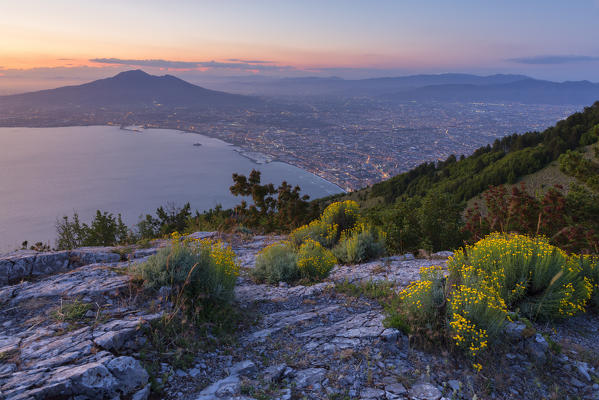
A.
pixel 75 331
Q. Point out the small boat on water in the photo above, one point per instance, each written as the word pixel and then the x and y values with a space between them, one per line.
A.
pixel 197 144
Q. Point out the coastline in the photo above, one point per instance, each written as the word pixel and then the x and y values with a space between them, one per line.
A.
pixel 256 157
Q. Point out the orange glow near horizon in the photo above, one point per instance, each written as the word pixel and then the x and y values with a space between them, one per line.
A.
pixel 346 37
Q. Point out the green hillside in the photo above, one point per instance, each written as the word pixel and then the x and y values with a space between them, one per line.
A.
pixel 425 207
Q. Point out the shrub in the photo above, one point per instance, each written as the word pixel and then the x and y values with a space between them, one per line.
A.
pixel 475 316
pixel 420 309
pixel 314 261
pixel 169 219
pixel 200 273
pixel 104 230
pixel 315 230
pixel 360 244
pixel 276 263
pixel 527 273
pixel 589 270
pixel 339 217
pixel 499 277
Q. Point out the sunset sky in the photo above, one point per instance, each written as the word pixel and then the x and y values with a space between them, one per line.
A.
pixel 51 43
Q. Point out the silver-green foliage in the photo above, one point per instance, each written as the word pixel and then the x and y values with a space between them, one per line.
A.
pixel 276 263
pixel 360 245
pixel 192 271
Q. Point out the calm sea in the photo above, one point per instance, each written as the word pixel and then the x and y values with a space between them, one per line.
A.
pixel 46 173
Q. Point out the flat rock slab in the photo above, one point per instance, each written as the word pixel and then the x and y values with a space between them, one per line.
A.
pixel 24 265
pixel 90 280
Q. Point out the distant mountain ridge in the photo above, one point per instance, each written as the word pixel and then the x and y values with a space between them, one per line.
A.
pixel 528 91
pixel 133 88
pixel 434 87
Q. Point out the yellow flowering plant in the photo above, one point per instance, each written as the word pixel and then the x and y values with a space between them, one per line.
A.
pixel 497 278
pixel 201 272
pixel 527 273
pixel 314 261
pixel 361 243
pixel 589 269
pixel 420 306
pixel 276 263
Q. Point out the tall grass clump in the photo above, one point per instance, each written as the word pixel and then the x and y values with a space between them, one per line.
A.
pixel 530 275
pixel 314 261
pixel 498 277
pixel 362 243
pixel 420 307
pixel 276 263
pixel 198 312
pixel 589 269
pixel 200 273
pixel 337 218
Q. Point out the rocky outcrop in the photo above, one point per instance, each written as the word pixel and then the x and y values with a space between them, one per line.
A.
pixel 309 342
pixel 20 265
pixel 44 354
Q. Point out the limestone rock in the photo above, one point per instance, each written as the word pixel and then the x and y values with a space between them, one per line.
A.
pixel 274 372
pixel 309 377
pixel 396 389
pixel 230 386
pixel 372 394
pixel 243 368
pixel 129 373
pixel 424 391
pixel 143 394
pixel 537 348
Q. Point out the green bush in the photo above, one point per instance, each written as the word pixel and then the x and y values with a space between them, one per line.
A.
pixel 104 230
pixel 360 244
pixel 529 275
pixel 276 263
pixel 589 270
pixel 315 230
pixel 499 277
pixel 314 261
pixel 419 308
pixel 200 273
pixel 339 217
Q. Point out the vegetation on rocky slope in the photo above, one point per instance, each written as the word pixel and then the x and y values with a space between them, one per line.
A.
pixel 499 279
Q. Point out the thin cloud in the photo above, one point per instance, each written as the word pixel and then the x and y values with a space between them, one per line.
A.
pixel 146 63
pixel 240 60
pixel 247 65
pixel 553 59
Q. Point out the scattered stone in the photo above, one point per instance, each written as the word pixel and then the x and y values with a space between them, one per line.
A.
pixel 454 385
pixel 309 377
pixel 129 373
pixel 424 391
pixel 396 388
pixel 442 255
pixel 143 394
pixel 230 386
pixel 371 393
pixel 583 369
pixel 514 330
pixel 537 348
pixel 244 368
pixel 274 373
